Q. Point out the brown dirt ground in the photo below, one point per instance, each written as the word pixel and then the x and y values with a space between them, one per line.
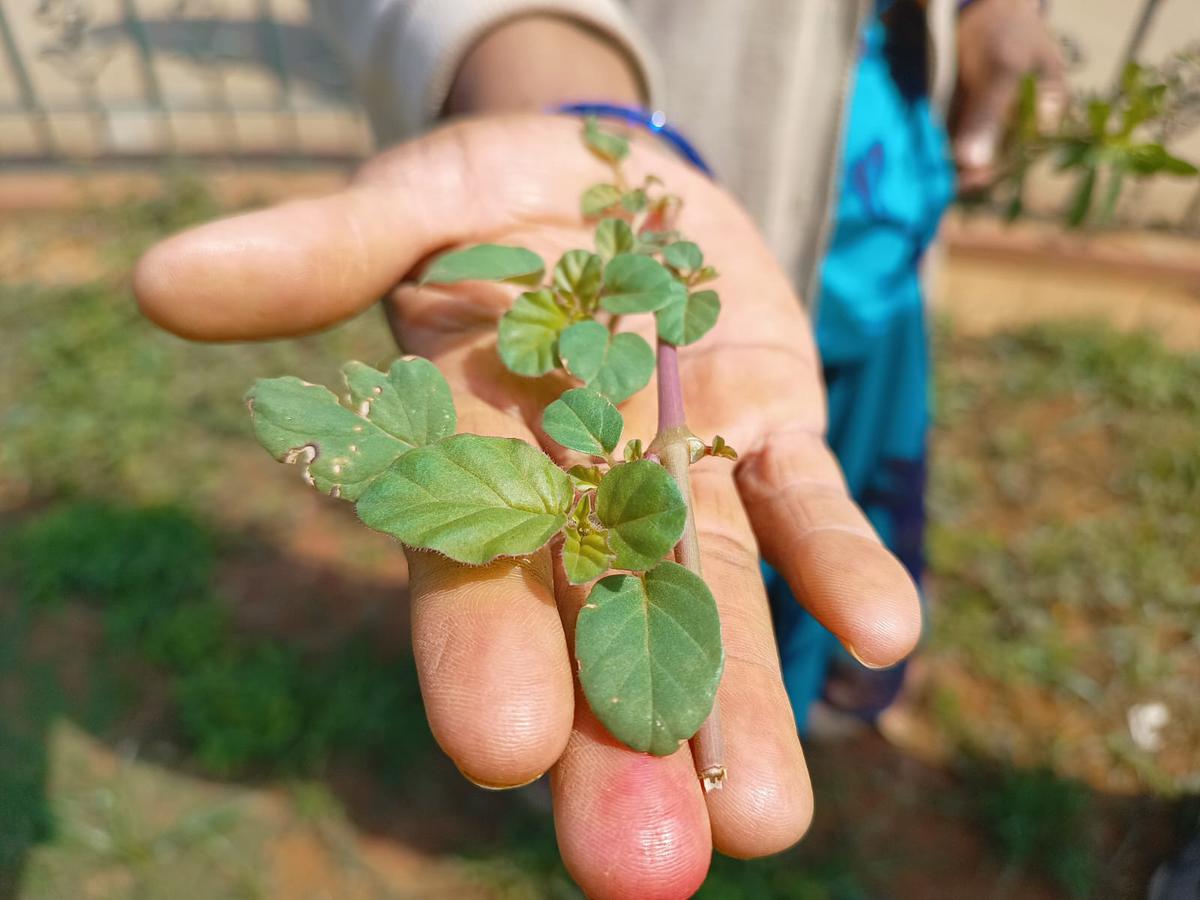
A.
pixel 991 277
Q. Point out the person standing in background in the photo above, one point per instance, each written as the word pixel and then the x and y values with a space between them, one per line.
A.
pixel 895 180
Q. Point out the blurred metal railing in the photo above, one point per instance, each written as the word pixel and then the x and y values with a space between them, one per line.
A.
pixel 104 80
pixel 137 81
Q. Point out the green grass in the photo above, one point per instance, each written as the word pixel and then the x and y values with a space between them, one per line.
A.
pixel 239 705
pixel 1037 820
pixel 838 877
pixel 242 702
pixel 1064 500
pixel 1092 419
pixel 95 400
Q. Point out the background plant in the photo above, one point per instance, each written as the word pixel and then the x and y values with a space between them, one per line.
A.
pixel 1103 140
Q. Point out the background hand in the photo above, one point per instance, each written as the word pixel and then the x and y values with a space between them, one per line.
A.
pixel 999 43
pixel 492 643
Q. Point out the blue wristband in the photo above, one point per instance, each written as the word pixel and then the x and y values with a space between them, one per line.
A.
pixel 654 122
pixel 963 4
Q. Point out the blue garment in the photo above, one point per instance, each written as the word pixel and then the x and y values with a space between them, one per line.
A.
pixel 896 180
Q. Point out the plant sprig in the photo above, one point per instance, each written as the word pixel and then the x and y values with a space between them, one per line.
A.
pixel 648 638
pixel 1102 138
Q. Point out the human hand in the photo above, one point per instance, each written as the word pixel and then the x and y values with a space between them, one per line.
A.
pixel 999 43
pixel 492 643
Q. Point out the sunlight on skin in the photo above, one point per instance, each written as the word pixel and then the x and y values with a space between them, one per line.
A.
pixel 627 824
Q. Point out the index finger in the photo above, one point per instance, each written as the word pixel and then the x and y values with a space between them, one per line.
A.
pixel 305 265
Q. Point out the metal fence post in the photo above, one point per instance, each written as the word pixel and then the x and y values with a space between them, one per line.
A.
pixel 1136 39
pixel 29 98
pixel 274 45
pixel 150 84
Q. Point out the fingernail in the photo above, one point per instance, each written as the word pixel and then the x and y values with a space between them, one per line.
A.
pixel 863 662
pixel 976 151
pixel 1050 106
pixel 499 787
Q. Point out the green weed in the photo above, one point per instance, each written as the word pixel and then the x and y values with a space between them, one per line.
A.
pixel 1037 820
pixel 243 704
pixel 789 875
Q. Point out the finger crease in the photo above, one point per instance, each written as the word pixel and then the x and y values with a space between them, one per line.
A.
pixel 726 547
pixel 816 530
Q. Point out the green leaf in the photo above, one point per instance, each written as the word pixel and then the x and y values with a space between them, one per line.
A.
pixel 585 477
pixel 645 513
pixel 1143 159
pixel 689 318
pixel 1116 178
pixel 683 256
pixel 1015 207
pixel 1026 125
pixel 1075 152
pixel 635 284
pixel 529 331
pixel 599 198
pixel 581 515
pixel 583 349
pixel 1083 198
pixel 298 422
pixel 653 241
pixel 585 555
pixel 584 420
pixel 618 366
pixel 1098 112
pixel 472 498
pixel 721 449
pixel 1173 165
pixel 578 273
pixel 634 201
pixel 1151 159
pixel 609 147
pixel 627 368
pixel 614 236
pixel 1131 78
pixel 650 656
pixel 411 402
pixel 486 262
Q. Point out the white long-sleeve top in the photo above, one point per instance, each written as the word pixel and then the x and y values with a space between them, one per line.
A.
pixel 759 86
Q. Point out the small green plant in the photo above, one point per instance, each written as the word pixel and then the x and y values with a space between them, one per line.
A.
pixel 1100 139
pixel 648 639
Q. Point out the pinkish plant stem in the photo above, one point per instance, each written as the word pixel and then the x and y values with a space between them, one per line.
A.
pixel 671 446
pixel 671 414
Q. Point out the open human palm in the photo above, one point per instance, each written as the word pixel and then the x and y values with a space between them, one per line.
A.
pixel 493 643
